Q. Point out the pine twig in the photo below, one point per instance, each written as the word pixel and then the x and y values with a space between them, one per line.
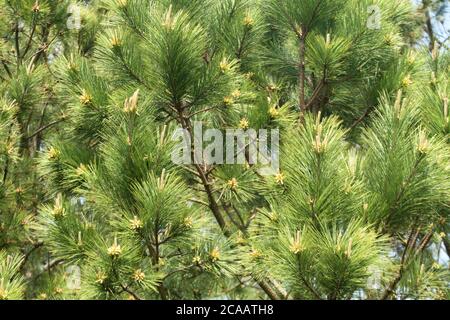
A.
pixel 301 75
pixel 7 68
pixel 28 254
pixel 51 124
pixel 131 292
pixel 361 118
pixel 30 38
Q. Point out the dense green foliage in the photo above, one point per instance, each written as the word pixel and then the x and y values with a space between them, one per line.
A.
pixel 358 210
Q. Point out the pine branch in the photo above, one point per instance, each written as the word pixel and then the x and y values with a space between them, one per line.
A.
pixel 7 68
pixel 410 242
pixel 48 267
pixel 429 26
pixel 301 75
pixel 361 118
pixel 406 260
pixel 268 289
pixel 49 125
pixel 6 168
pixel 446 245
pixel 201 111
pixel 16 43
pixel 161 288
pixel 28 254
pixel 185 122
pixel 131 292
pixel 199 202
pixel 241 44
pixel 30 38
pixel 230 216
pixel 315 94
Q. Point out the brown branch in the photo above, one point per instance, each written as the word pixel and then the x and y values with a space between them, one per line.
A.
pixel 241 44
pixel 161 288
pixel 201 111
pixel 44 46
pixel 30 38
pixel 230 216
pixel 310 288
pixel 239 215
pixel 28 254
pixel 429 27
pixel 301 75
pixel 45 127
pixel 175 272
pixel 131 292
pixel 16 43
pixel 302 55
pixel 267 289
pixel 204 179
pixel 48 267
pixel 410 245
pixel 315 94
pixel 361 118
pixel 6 169
pixel 213 205
pixel 7 68
pixel 199 202
pixel 446 245
pixel 423 244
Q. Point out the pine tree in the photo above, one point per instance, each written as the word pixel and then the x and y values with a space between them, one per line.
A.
pixel 358 209
pixel 33 35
